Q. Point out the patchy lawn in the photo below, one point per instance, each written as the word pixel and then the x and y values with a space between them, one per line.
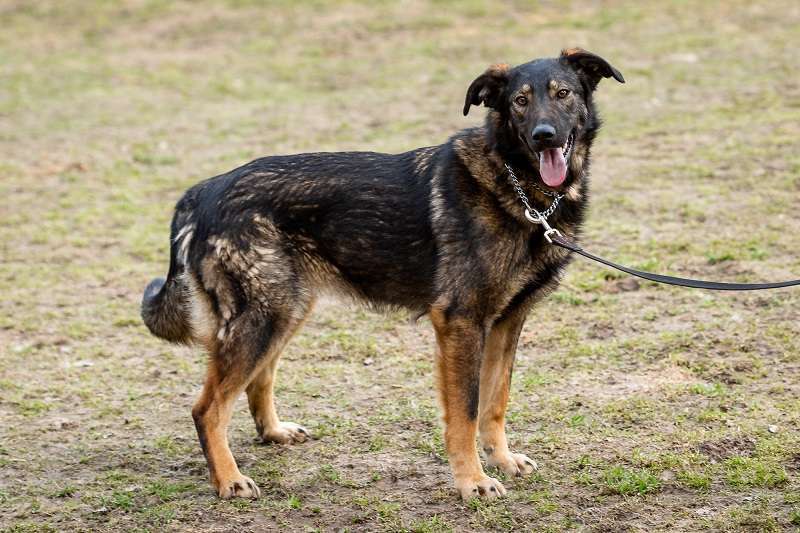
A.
pixel 647 407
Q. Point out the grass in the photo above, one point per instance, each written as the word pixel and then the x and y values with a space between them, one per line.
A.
pixel 700 481
pixel 751 472
pixel 646 409
pixel 624 481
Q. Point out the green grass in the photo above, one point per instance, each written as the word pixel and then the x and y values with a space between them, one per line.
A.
pixel 753 472
pixel 626 482
pixel 695 480
pixel 434 524
pixel 167 491
pixel 704 389
pixel 640 406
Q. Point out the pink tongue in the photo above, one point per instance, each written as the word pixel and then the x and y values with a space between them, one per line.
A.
pixel 552 167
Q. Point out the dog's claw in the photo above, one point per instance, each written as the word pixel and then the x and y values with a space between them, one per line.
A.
pixel 244 487
pixel 483 487
pixel 513 464
pixel 286 433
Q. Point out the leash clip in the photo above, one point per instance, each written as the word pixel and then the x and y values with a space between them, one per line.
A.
pixel 551 232
pixel 538 218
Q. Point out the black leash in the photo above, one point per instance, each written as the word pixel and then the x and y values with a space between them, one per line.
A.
pixel 553 236
pixel 556 238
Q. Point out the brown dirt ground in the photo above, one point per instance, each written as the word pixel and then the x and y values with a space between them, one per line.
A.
pixel 648 408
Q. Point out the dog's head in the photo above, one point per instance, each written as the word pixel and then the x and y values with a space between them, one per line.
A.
pixel 545 106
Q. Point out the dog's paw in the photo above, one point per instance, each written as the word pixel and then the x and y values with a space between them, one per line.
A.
pixel 286 433
pixel 513 464
pixel 240 487
pixel 484 487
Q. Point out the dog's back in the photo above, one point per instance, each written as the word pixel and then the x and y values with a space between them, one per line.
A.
pixel 355 222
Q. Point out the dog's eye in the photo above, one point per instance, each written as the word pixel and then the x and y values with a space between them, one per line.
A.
pixel 521 100
pixel 562 93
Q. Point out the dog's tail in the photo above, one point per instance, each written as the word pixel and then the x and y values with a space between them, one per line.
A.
pixel 165 303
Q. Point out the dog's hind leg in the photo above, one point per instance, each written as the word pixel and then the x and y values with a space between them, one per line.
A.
pixel 212 414
pixel 461 344
pixel 245 350
pixel 260 396
pixel 496 369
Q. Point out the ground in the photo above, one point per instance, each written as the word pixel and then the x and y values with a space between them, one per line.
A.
pixel 648 408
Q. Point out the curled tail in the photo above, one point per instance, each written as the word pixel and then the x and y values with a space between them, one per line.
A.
pixel 165 303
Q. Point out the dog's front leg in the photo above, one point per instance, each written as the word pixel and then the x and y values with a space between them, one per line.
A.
pixel 461 343
pixel 498 362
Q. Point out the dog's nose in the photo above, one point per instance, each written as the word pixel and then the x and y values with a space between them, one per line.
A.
pixel 543 132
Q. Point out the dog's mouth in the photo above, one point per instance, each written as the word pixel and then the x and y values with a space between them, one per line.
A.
pixel 553 162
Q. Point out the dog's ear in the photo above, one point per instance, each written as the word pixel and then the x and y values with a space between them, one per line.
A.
pixel 487 87
pixel 592 66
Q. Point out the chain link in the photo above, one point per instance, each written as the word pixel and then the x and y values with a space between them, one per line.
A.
pixel 540 215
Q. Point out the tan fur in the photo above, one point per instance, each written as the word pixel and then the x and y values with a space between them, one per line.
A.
pixel 570 51
pixel 498 69
pixel 202 319
pixel 455 340
pixel 212 414
pixel 260 393
pixel 215 282
pixel 552 88
pixel 496 370
pixel 423 159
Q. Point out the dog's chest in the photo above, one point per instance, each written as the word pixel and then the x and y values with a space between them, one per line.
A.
pixel 532 270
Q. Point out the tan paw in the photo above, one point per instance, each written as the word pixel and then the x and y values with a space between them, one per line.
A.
pixel 483 487
pixel 240 487
pixel 286 433
pixel 513 464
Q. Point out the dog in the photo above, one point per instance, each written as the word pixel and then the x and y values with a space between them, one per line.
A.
pixel 438 231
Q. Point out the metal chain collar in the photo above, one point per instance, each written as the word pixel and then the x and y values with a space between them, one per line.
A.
pixel 531 213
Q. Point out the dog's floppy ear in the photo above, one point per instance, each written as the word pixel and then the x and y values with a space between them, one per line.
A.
pixel 487 87
pixel 590 65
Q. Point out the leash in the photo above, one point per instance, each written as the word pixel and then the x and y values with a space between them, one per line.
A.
pixel 553 236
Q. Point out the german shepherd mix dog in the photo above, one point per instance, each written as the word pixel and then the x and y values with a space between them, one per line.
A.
pixel 438 231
